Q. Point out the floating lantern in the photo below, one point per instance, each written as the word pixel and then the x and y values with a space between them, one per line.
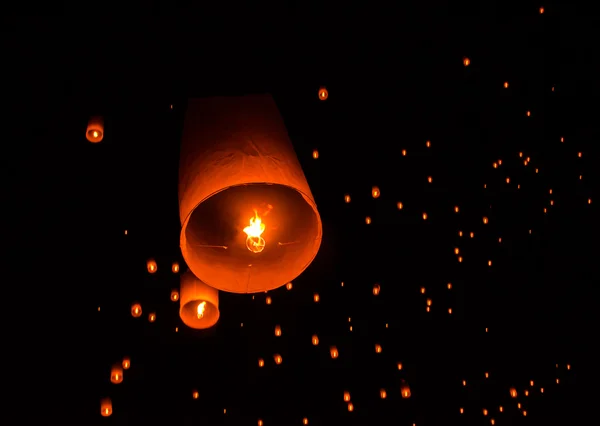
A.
pixel 136 310
pixel 333 352
pixel 195 394
pixel 315 340
pixel 95 131
pixel 199 303
pixel 346 396
pixel 116 374
pixel 175 267
pixel 105 407
pixel 174 295
pixel 151 266
pixel 126 363
pixel 405 390
pixel 513 392
pixel 376 289
pixel 249 220
pixel 278 359
pixel 323 93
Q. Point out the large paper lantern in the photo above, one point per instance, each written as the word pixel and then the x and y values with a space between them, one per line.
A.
pixel 105 407
pixel 249 220
pixel 198 303
pixel 95 130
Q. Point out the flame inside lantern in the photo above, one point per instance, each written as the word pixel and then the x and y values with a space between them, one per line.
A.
pixel 201 309
pixel 254 242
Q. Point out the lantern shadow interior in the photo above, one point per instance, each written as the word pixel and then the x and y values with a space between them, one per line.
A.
pixel 289 234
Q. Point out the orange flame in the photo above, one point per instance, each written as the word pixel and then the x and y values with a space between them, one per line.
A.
pixel 254 242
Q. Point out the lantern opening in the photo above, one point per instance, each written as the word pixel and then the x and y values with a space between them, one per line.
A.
pixel 254 242
pixel 199 303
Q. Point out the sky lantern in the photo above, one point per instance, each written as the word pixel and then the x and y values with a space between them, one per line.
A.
pixel 405 390
pixel 278 359
pixel 126 363
pixel 136 310
pixel 315 340
pixel 333 352
pixel 375 192
pixel 152 317
pixel 116 374
pixel 105 407
pixel 466 61
pixel 151 266
pixel 513 392
pixel 376 289
pixel 323 93
pixel 174 295
pixel 95 129
pixel 277 330
pixel 346 396
pixel 198 303
pixel 175 267
pixel 249 220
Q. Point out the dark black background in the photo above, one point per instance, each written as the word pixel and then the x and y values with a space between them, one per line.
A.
pixel 395 79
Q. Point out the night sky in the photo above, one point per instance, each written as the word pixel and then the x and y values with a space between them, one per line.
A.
pixel 496 104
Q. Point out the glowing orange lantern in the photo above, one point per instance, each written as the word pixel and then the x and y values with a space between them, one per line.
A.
pixel 95 131
pixel 305 421
pixel 126 363
pixel 175 267
pixel 399 366
pixel 277 331
pixel 466 62
pixel 382 393
pixel 278 359
pixel 405 390
pixel 378 348
pixel 174 295
pixel 261 362
pixel 152 317
pixel 346 396
pixel 105 407
pixel 333 352
pixel 376 289
pixel 116 374
pixel 268 300
pixel 249 220
pixel 368 220
pixel 315 154
pixel 375 192
pixel 195 394
pixel 151 265
pixel 323 93
pixel 315 340
pixel 347 198
pixel 136 310
pixel 199 303
pixel 316 297
pixel 288 286
pixel 513 392
pixel 350 407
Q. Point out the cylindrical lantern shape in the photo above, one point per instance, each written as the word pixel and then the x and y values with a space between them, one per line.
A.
pixel 116 374
pixel 249 220
pixel 198 303
pixel 105 407
pixel 126 363
pixel 95 130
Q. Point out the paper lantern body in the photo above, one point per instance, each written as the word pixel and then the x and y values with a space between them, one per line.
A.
pixel 95 130
pixel 237 160
pixel 105 407
pixel 192 293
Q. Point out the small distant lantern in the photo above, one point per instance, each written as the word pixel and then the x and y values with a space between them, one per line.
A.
pixel 315 154
pixel 399 366
pixel 261 362
pixel 399 205
pixel 424 216
pixel 95 131
pixel 405 390
pixel 375 192
pixel 333 352
pixel 368 220
pixel 277 330
pixel 323 93
pixel 378 348
pixel 126 363
pixel 136 310
pixel 116 374
pixel 466 61
pixel 195 394
pixel 347 198
pixel 199 303
pixel 350 407
pixel 288 286
pixel 174 295
pixel 346 396
pixel 382 394
pixel 278 359
pixel 506 84
pixel 152 317
pixel 105 407
pixel 316 297
pixel 513 392
pixel 305 421
pixel 151 265
pixel 315 340
pixel 376 289
pixel 175 267
pixel 485 220
pixel 268 300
